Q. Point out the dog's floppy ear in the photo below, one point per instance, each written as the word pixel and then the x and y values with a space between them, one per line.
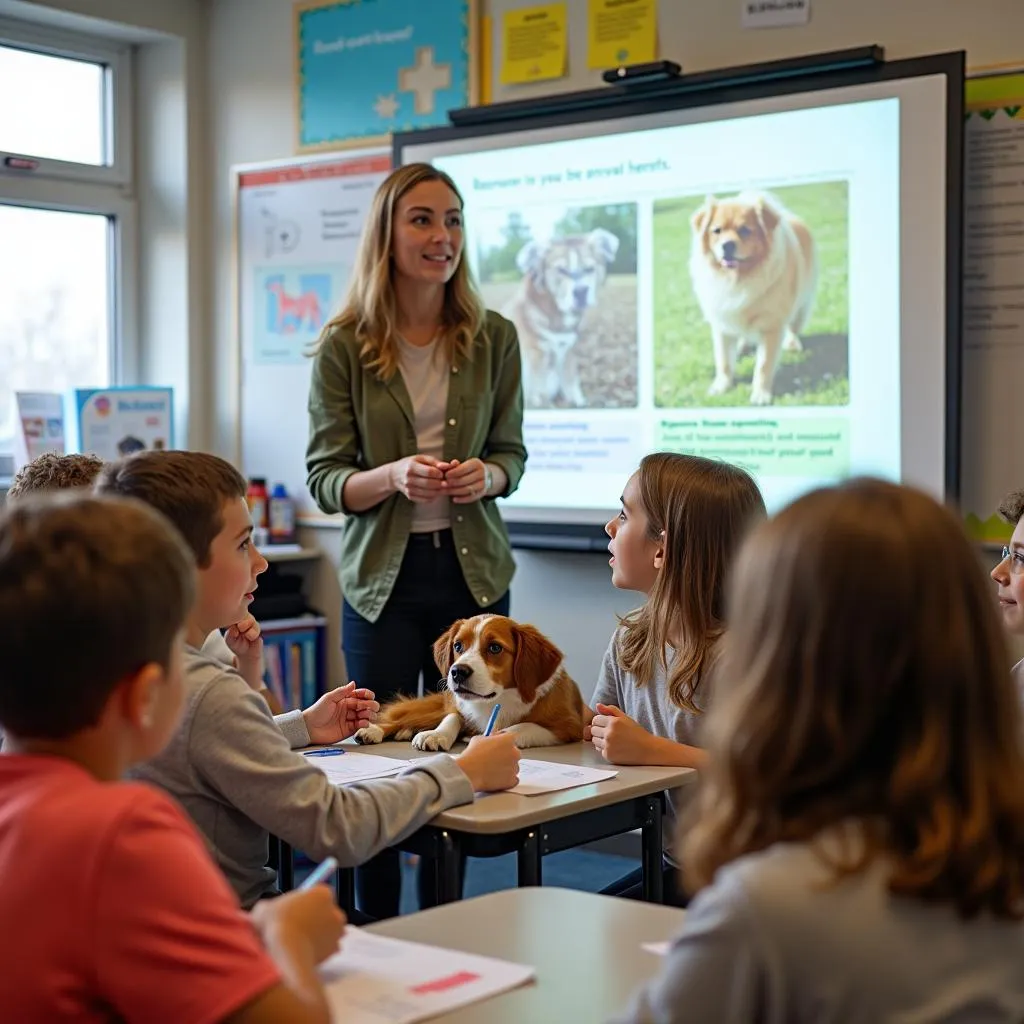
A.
pixel 699 221
pixel 605 243
pixel 443 647
pixel 768 215
pixel 528 259
pixel 535 662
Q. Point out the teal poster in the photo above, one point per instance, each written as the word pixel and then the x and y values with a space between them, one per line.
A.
pixel 367 68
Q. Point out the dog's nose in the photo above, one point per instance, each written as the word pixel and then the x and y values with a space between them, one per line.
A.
pixel 729 249
pixel 459 674
pixel 581 295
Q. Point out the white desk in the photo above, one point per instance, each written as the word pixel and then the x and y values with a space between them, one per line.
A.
pixel 532 826
pixel 586 950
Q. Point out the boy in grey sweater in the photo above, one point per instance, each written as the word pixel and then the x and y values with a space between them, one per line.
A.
pixel 231 765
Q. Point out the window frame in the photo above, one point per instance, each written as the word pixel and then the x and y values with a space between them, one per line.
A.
pixel 117 59
pixel 107 191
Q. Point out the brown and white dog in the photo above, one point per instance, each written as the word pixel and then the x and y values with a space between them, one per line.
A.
pixel 561 281
pixel 754 268
pixel 488 660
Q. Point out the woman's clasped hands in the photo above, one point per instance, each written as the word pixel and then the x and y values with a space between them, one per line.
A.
pixel 423 478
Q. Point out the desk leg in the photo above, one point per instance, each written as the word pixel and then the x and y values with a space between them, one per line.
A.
pixel 345 889
pixel 530 860
pixel 449 873
pixel 285 867
pixel 651 855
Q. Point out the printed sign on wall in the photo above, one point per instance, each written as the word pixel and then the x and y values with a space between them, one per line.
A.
pixel 367 69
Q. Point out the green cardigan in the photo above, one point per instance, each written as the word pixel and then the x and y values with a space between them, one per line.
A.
pixel 358 422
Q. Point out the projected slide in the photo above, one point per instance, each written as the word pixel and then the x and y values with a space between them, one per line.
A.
pixel 728 288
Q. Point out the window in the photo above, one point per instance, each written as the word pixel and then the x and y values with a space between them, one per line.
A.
pixel 66 221
pixel 53 107
pixel 55 323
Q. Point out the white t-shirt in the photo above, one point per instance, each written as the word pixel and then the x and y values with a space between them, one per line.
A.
pixel 425 373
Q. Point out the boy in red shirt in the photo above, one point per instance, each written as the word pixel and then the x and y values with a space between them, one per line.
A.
pixel 111 906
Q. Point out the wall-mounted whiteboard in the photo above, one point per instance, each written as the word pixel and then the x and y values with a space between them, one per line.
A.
pixel 297 228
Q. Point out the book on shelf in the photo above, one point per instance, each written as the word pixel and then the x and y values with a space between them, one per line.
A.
pixel 294 658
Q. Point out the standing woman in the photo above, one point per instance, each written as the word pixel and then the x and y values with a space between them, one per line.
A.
pixel 416 426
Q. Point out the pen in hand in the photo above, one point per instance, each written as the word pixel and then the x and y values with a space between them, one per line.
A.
pixel 492 720
pixel 320 873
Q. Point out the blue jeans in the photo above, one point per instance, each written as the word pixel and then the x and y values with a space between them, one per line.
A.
pixel 389 655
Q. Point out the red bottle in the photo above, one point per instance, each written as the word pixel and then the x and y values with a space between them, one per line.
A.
pixel 256 498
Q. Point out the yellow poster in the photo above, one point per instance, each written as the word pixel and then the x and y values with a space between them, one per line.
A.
pixel 621 32
pixel 534 44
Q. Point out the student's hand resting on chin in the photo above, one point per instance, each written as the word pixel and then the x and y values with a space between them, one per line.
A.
pixel 340 713
pixel 246 644
pixel 617 738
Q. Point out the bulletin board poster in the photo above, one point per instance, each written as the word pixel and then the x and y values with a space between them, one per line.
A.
pixel 298 225
pixel 114 422
pixel 993 299
pixel 367 68
pixel 40 425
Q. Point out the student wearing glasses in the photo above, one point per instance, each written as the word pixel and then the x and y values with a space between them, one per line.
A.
pixel 1009 576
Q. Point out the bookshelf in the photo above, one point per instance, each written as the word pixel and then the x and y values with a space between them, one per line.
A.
pixel 294 656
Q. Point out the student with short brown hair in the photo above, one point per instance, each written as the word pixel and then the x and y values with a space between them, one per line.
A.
pixel 110 903
pixel 858 845
pixel 230 765
pixel 240 647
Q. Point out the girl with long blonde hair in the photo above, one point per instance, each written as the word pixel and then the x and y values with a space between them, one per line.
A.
pixel 416 426
pixel 682 520
pixel 858 842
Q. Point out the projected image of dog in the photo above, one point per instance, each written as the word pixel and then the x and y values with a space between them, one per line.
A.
pixel 754 268
pixel 561 282
pixel 488 660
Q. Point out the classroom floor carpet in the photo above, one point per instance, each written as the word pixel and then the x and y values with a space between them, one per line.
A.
pixel 572 869
pixel 587 870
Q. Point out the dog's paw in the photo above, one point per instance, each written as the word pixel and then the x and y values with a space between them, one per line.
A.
pixel 369 734
pixel 760 396
pixel 792 343
pixel 432 739
pixel 720 384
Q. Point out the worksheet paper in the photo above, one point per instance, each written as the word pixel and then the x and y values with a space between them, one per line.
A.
pixel 377 980
pixel 346 768
pixel 537 777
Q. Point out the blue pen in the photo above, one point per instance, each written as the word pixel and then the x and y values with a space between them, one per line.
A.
pixel 492 720
pixel 326 752
pixel 320 873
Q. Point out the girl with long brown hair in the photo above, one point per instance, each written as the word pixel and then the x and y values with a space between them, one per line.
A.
pixel 682 520
pixel 858 841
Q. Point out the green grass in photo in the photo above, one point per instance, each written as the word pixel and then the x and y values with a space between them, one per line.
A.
pixel 684 363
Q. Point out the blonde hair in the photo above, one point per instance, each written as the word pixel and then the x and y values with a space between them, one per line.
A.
pixel 865 682
pixel 371 305
pixel 704 507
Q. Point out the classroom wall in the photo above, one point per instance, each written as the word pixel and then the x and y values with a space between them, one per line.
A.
pixel 215 89
pixel 252 118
